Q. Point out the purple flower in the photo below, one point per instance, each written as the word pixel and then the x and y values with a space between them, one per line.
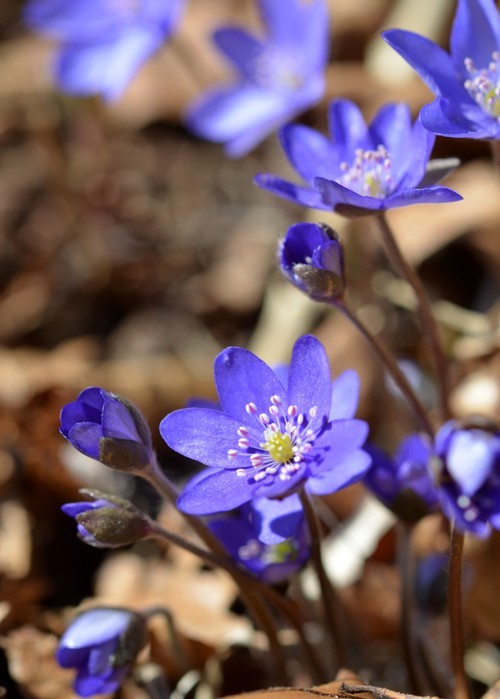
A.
pixel 405 483
pixel 101 644
pixel 279 76
pixel 108 428
pixel 466 82
pixel 108 521
pixel 270 439
pixel 362 170
pixel 467 466
pixel 269 538
pixel 103 42
pixel 311 257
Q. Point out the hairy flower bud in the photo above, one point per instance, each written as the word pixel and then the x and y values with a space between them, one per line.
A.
pixel 108 521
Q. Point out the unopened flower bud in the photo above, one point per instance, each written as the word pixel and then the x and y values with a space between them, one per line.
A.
pixel 108 428
pixel 108 521
pixel 311 257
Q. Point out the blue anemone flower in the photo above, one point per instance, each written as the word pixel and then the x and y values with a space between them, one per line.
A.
pixel 269 538
pixel 107 427
pixel 467 468
pixel 270 438
pixel 363 169
pixel 280 75
pixel 103 42
pixel 466 81
pixel 101 644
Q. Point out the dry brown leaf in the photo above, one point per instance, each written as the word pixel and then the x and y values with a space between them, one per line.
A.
pixel 325 690
pixel 31 660
pixel 198 600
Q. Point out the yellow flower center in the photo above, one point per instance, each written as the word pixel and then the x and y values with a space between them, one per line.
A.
pixel 279 446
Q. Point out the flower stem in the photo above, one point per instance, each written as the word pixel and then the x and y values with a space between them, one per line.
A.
pixel 455 614
pixel 495 153
pixel 424 311
pixel 391 365
pixel 332 605
pixel 255 606
pixel 408 626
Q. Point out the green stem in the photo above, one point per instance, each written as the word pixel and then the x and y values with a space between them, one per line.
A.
pixel 332 605
pixel 391 365
pixel 424 311
pixel 461 689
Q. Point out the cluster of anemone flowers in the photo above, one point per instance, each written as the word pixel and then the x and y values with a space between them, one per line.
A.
pixel 279 437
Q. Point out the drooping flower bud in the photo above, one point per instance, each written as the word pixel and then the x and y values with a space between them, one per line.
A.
pixel 101 644
pixel 108 521
pixel 108 428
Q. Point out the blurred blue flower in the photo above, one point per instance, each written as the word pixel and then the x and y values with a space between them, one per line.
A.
pixel 404 483
pixel 280 76
pixel 268 439
pixel 466 81
pixel 362 170
pixel 107 427
pixel 101 644
pixel 269 538
pixel 311 257
pixel 466 463
pixel 103 42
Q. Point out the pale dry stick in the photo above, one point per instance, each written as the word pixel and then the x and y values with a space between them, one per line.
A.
pixel 424 311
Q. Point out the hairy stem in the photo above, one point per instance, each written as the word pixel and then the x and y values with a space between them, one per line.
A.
pixel 391 365
pixel 424 311
pixel 461 690
pixel 332 605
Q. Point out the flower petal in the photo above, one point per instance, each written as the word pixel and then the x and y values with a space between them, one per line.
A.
pixel 303 196
pixel 459 120
pixel 117 420
pixel 470 459
pixel 412 166
pixel 348 129
pixel 345 395
pixel 86 408
pixel 309 381
pixel 431 62
pixel 95 626
pixel 203 435
pixel 475 33
pixel 309 152
pixel 85 437
pixel 77 20
pixel 240 47
pixel 391 127
pixel 275 521
pixel 340 198
pixel 350 470
pixel 297 23
pixel 106 67
pixel 220 491
pixel 426 195
pixel 340 439
pixel 243 378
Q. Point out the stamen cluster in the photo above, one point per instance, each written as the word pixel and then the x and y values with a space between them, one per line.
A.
pixel 483 85
pixel 287 438
pixel 370 174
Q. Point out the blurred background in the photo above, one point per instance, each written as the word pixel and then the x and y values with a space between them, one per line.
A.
pixel 131 253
